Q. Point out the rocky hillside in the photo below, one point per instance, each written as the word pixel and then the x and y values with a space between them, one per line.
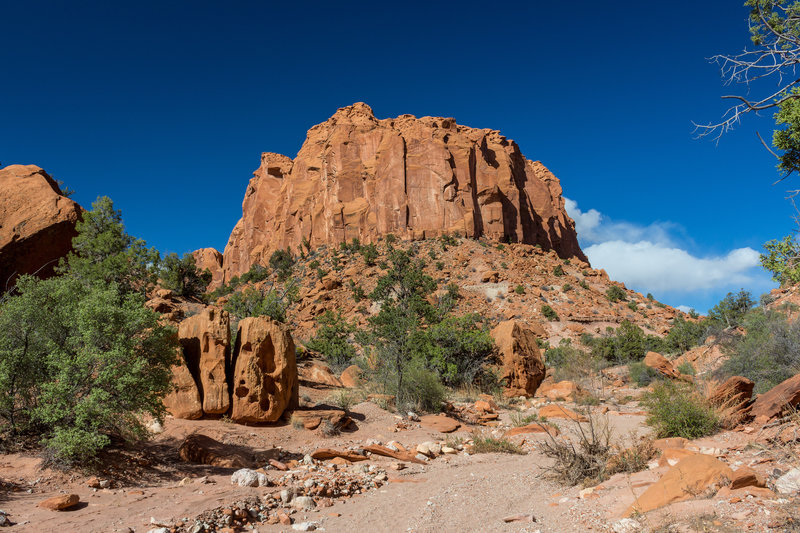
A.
pixel 357 176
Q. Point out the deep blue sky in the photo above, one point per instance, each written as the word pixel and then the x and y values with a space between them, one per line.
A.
pixel 166 106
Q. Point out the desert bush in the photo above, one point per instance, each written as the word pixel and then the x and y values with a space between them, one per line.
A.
pixel 633 458
pixel 519 289
pixel 282 262
pixel 584 462
pixel 329 429
pixel 549 313
pixel 768 353
pixel 456 348
pixel 343 399
pixel 558 271
pixel 566 287
pixel 80 365
pixel 271 302
pixel 781 260
pixel 641 374
pixel 632 306
pixel 684 334
pixel 730 311
pixel 625 344
pixel 370 254
pixel 332 340
pixel 616 294
pixel 677 410
pixel 687 368
pixel 181 276
pixel 484 442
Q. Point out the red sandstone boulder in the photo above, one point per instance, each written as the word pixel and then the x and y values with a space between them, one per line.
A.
pixel 777 401
pixel 360 177
pixel 37 223
pixel 60 503
pixel 265 375
pixel 659 363
pixel 523 369
pixel 205 339
pixel 440 423
pixel 319 374
pixel 211 260
pixel 693 475
pixel 351 376
pixel 184 400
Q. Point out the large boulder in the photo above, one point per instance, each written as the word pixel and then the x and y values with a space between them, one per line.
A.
pixel 360 177
pixel 205 339
pixel 265 374
pixel 777 401
pixel 692 476
pixel 522 366
pixel 37 223
pixel 732 398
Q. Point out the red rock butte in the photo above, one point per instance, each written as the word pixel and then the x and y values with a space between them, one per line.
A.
pixel 360 177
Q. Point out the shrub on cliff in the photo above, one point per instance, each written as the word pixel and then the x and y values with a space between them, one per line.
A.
pixel 180 275
pixel 332 340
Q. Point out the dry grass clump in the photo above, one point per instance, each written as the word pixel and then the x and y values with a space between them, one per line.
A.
pixel 631 459
pixel 297 422
pixel 519 419
pixel 343 399
pixel 328 429
pixel 485 443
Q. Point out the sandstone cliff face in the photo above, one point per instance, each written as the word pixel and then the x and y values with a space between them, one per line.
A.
pixel 37 223
pixel 360 177
pixel 211 260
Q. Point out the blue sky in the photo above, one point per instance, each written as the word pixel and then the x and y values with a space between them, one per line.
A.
pixel 166 106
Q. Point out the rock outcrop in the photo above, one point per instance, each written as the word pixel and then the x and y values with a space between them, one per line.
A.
pixel 265 376
pixel 360 177
pixel 206 340
pixel 522 366
pixel 211 260
pixel 37 223
pixel 777 401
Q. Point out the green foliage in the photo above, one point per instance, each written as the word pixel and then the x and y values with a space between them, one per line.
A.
pixel 768 354
pixel 616 294
pixel 370 254
pixel 519 289
pixel 439 265
pixel 641 374
pixel 628 343
pixel 270 302
pixel 103 252
pixel 332 340
pixel 558 271
pixel 676 410
pixel 684 334
pixel 80 364
pixel 566 287
pixel 282 262
pixel 181 276
pixel 357 290
pixel 632 306
pixel 650 296
pixel 456 348
pixel 687 369
pixel 305 243
pixel 254 275
pixel 483 442
pixel 782 258
pixel 788 138
pixel 731 310
pixel 549 313
pixel 583 284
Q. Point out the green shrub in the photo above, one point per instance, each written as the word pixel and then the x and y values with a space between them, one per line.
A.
pixel 519 419
pixel 687 368
pixel 781 260
pixel 282 262
pixel 730 311
pixel 583 284
pixel 676 410
pixel 632 306
pixel 641 374
pixel 628 343
pixel 684 334
pixel 270 302
pixel 332 340
pixel 566 287
pixel 549 313
pixel 558 271
pixel 616 294
pixel 81 364
pixel 181 276
pixel 439 265
pixel 519 289
pixel 370 254
pixel 456 348
pixel 483 442
pixel 768 353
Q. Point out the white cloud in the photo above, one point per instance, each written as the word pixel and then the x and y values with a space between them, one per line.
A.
pixel 684 308
pixel 648 257
pixel 661 268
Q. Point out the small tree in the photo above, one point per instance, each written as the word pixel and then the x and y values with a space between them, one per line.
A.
pixel 181 276
pixel 783 259
pixel 105 253
pixel 332 340
pixel 615 294
pixel 282 262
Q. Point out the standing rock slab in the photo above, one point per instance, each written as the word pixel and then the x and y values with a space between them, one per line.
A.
pixel 184 400
pixel 778 400
pixel 206 340
pixel 265 373
pixel 523 368
pixel 211 260
pixel 60 503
